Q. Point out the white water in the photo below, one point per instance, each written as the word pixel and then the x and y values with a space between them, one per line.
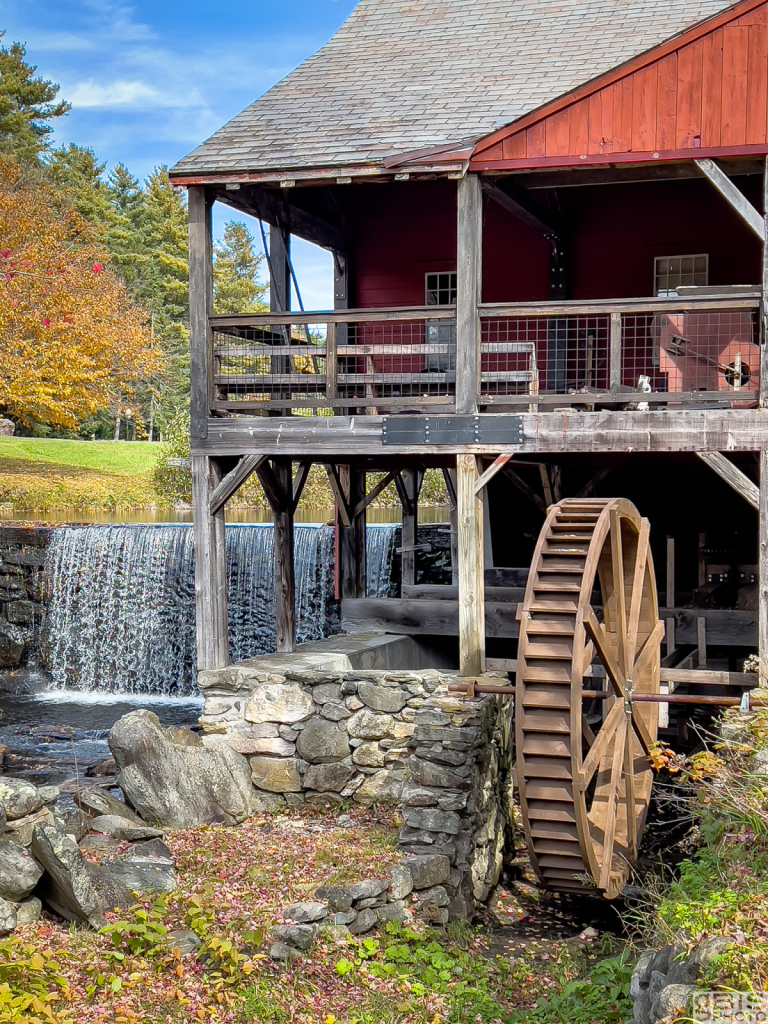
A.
pixel 121 601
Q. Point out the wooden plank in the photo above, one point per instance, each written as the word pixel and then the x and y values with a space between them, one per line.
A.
pixel 735 70
pixel 321 438
pixel 666 103
pixel 384 314
pixel 210 568
pixel 233 481
pixel 726 627
pixel 688 116
pixel 277 497
pixel 471 569
pixel 701 641
pixel 711 88
pixel 733 476
pixel 749 299
pixel 735 197
pixel 595 130
pixel 408 483
pixel 331 360
pixel 578 127
pixel 374 492
pixel 446 592
pixel 497 465
pixel 557 129
pixel 469 243
pixel 614 354
pixel 435 618
pixel 285 580
pixel 339 496
pixel 763 401
pixel 200 304
pixel 352 553
pixel 670 572
pixel 763 569
pixel 536 140
pixel 757 86
pixel 298 483
pixel 449 476
pixel 644 89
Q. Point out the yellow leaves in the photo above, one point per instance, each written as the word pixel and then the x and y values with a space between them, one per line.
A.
pixel 71 339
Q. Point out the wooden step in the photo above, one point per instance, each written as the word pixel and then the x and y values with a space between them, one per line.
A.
pixel 562 650
pixel 554 830
pixel 569 847
pixel 542 720
pixel 546 745
pixel 542 604
pixel 544 695
pixel 544 768
pixel 551 627
pixel 573 864
pixel 545 587
pixel 559 565
pixel 549 789
pixel 540 811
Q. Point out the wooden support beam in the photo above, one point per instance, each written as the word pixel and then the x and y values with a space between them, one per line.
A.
pixel 285 580
pixel 273 209
pixel 733 476
pixel 519 202
pixel 469 247
pixel 763 396
pixel 233 481
pixel 491 472
pixel 200 305
pixel 280 269
pixel 210 567
pixel 449 475
pixel 279 499
pixel 591 486
pixel 701 641
pixel 524 488
pixel 735 197
pixel 471 569
pixel 408 483
pixel 352 554
pixel 614 353
pixel 374 492
pixel 298 483
pixel 337 489
pixel 762 590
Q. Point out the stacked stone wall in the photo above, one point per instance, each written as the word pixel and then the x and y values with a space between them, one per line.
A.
pixel 376 736
pixel 22 592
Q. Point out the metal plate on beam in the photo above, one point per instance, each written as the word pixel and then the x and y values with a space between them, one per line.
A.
pixel 452 430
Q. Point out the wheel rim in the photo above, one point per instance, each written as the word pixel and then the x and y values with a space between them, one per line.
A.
pixel 583 776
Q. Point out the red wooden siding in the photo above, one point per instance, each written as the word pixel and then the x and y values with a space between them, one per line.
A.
pixel 711 92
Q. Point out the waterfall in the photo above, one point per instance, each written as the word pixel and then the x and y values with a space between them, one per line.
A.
pixel 121 600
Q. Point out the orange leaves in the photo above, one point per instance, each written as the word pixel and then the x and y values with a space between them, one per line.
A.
pixel 71 339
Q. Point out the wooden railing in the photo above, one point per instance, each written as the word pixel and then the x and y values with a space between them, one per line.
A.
pixel 635 352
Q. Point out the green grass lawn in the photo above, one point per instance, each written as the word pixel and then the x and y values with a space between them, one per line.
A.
pixel 44 474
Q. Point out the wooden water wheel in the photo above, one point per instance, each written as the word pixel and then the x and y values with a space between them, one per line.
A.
pixel 583 776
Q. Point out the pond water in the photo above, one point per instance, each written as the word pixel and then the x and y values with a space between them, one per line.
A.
pixel 438 514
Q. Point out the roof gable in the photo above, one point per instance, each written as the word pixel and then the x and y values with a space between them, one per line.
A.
pixel 405 75
pixel 703 93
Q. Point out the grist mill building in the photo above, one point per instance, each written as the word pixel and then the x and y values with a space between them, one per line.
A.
pixel 549 248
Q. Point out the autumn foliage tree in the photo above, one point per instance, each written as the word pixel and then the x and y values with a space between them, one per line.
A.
pixel 72 341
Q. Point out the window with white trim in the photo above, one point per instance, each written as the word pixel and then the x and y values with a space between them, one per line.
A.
pixel 670 272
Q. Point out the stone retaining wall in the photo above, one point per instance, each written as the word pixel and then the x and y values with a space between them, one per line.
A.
pixel 321 733
pixel 664 981
pixel 22 556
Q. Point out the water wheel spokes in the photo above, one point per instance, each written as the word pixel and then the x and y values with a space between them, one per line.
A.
pixel 582 763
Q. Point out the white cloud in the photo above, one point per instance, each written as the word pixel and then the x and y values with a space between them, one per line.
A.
pixel 123 93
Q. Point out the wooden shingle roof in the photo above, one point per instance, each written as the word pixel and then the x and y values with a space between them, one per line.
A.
pixel 406 75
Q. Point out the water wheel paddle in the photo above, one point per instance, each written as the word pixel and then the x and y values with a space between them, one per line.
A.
pixel 582 772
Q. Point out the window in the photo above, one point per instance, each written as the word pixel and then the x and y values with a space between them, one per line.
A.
pixel 440 288
pixel 672 271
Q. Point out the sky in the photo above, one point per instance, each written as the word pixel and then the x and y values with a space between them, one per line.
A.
pixel 149 81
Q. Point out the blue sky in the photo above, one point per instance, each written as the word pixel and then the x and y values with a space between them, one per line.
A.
pixel 150 81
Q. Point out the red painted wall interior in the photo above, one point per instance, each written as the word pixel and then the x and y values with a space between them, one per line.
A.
pixel 403 230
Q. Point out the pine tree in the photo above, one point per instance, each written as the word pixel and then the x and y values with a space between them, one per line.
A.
pixel 27 104
pixel 235 272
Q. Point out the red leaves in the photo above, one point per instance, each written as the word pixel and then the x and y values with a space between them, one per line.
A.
pixel 97 268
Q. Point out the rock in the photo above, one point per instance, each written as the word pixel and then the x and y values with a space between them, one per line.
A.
pixel 327 777
pixel 300 936
pixel 143 874
pixel 3 820
pixel 28 911
pixel 384 787
pixel 335 897
pixel 268 802
pixel 660 960
pixel 278 702
pixel 20 830
pixel 368 725
pixel 123 828
pixel 428 774
pixel 247 738
pixel 341 919
pixel 97 801
pixel 322 742
pixel 401 882
pixel 369 888
pixel 19 798
pixel 184 940
pixel 438 718
pixel 305 913
pixel 19 872
pixel 288 734
pixel 590 933
pixel 364 921
pixel 326 692
pixel 7 427
pixel 432 820
pixel 14 640
pixel 369 754
pixel 390 699
pixel 672 1001
pixel 174 784
pixel 703 954
pixel 49 794
pixel 428 871
pixel 638 984
pixel 434 897
pixel 73 888
pixel 8 917
pixel 392 911
pixel 335 712
pixel 276 774
pixel 324 799
pixel 104 846
pixel 101 768
pixel 281 951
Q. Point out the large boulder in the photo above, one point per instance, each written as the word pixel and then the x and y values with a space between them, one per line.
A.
pixel 171 783
pixel 19 872
pixel 73 888
pixel 19 798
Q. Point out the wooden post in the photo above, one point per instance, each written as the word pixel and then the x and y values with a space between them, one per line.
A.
pixel 285 581
pixel 469 266
pixel 353 577
pixel 210 568
pixel 449 475
pixel 614 354
pixel 200 305
pixel 280 271
pixel 762 615
pixel 670 623
pixel 408 486
pixel 701 642
pixel 471 570
pixel 763 398
pixel 702 559
pixel 340 334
